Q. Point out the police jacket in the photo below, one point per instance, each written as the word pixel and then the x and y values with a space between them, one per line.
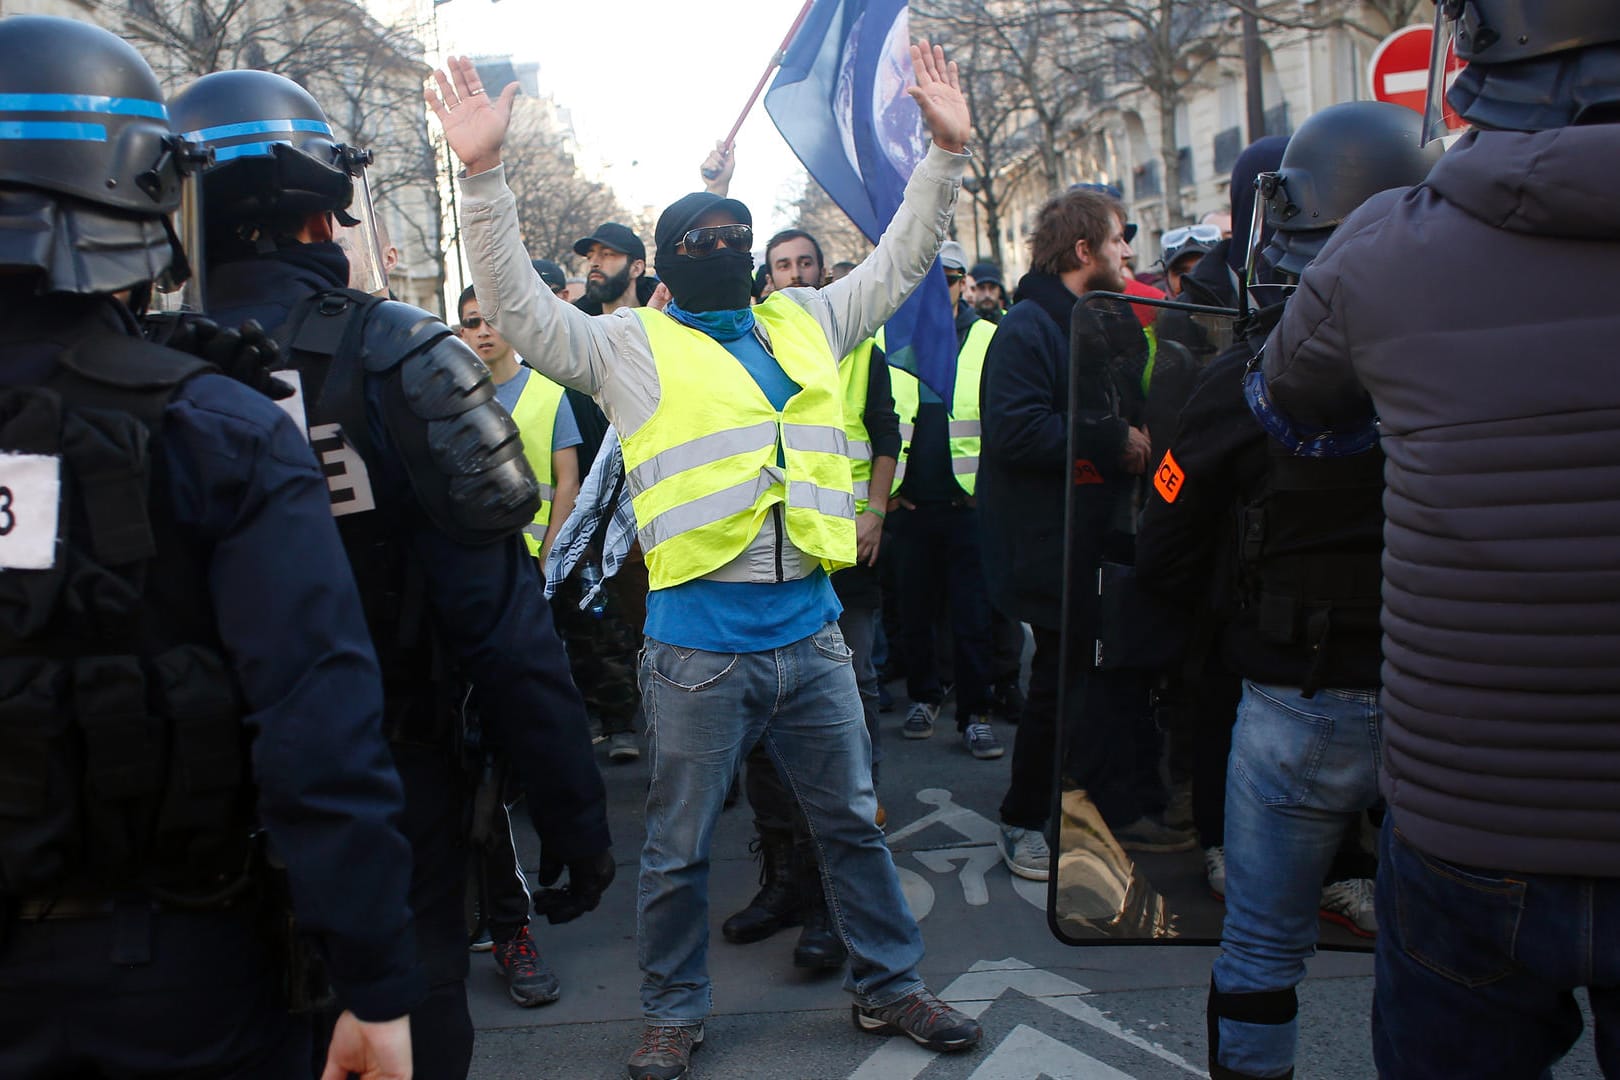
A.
pixel 1024 462
pixel 609 356
pixel 485 599
pixel 1194 548
pixel 236 480
pixel 1475 315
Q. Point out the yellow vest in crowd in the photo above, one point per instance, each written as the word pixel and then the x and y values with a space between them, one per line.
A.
pixel 703 470
pixel 964 426
pixel 855 373
pixel 536 418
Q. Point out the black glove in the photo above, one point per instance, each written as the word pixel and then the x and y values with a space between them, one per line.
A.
pixel 247 354
pixel 588 879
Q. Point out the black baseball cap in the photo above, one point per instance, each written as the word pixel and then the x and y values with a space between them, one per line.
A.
pixel 681 215
pixel 610 234
pixel 986 273
pixel 551 274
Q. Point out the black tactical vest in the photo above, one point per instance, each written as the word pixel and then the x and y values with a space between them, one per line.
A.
pixel 323 340
pixel 1309 554
pixel 123 757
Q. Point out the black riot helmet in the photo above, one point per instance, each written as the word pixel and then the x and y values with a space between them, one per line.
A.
pixel 1532 65
pixel 276 162
pixel 1337 160
pixel 89 166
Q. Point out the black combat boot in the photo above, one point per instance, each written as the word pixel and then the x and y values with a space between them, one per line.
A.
pixel 819 948
pixel 777 904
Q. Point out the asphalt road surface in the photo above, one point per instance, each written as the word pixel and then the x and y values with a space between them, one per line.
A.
pixel 1048 1010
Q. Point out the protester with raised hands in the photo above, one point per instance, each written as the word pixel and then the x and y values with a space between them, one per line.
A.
pixel 737 461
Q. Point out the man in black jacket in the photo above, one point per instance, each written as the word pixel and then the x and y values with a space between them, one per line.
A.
pixel 1078 246
pixel 1496 402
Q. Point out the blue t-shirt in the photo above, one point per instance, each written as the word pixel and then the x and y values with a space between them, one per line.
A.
pixel 564 432
pixel 744 616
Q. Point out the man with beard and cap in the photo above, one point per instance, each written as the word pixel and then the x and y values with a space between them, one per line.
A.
pixel 1213 280
pixel 989 293
pixel 615 270
pixel 738 464
pixel 1466 325
pixel 1286 550
pixel 1077 246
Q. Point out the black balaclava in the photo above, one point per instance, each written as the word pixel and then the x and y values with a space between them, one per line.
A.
pixel 721 281
pixel 1262 155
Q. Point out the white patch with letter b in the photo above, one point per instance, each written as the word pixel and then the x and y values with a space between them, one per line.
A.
pixel 30 494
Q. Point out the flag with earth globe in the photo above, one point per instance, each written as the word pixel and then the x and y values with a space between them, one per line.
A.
pixel 840 102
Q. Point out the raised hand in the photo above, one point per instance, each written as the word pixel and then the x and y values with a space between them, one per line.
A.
pixel 718 168
pixel 939 94
pixel 474 124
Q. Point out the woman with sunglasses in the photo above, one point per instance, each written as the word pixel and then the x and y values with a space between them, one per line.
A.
pixel 737 463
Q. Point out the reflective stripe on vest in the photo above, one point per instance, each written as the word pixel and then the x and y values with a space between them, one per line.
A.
pixel 536 418
pixel 964 429
pixel 855 373
pixel 703 470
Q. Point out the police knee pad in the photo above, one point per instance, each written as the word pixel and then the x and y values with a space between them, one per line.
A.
pixel 1269 1007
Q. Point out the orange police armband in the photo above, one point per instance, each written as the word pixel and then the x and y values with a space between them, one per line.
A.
pixel 1168 480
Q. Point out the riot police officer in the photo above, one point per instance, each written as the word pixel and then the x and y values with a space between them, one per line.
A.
pixel 1298 581
pixel 183 657
pixel 1474 317
pixel 430 490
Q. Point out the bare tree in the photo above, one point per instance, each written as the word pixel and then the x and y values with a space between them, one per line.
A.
pixel 1164 48
pixel 1374 19
pixel 556 205
pixel 817 214
pixel 366 75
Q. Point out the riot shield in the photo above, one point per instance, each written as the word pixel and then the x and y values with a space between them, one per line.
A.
pixel 1123 662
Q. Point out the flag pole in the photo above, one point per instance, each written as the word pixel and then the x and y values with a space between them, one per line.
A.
pixel 759 88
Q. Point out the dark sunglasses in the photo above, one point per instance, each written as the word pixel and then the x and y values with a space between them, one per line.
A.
pixel 472 322
pixel 953 276
pixel 701 242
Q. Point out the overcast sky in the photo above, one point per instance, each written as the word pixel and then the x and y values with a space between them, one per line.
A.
pixel 650 86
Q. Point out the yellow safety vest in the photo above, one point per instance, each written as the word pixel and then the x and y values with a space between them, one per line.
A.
pixel 703 470
pixel 536 418
pixel 856 373
pixel 964 428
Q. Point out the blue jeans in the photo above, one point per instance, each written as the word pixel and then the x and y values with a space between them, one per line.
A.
pixel 1475 967
pixel 1300 772
pixel 704 711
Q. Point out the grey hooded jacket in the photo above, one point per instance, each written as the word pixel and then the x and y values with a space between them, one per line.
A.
pixel 1477 315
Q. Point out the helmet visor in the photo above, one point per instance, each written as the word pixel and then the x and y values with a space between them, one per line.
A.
pixel 1439 118
pixel 180 288
pixel 357 236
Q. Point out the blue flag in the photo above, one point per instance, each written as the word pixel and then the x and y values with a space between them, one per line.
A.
pixel 840 101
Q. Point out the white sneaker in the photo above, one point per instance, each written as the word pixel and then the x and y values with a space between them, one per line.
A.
pixel 1025 852
pixel 1215 870
pixel 1350 904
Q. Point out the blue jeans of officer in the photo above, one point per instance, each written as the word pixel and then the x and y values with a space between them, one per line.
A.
pixel 704 711
pixel 1301 771
pixel 1476 967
